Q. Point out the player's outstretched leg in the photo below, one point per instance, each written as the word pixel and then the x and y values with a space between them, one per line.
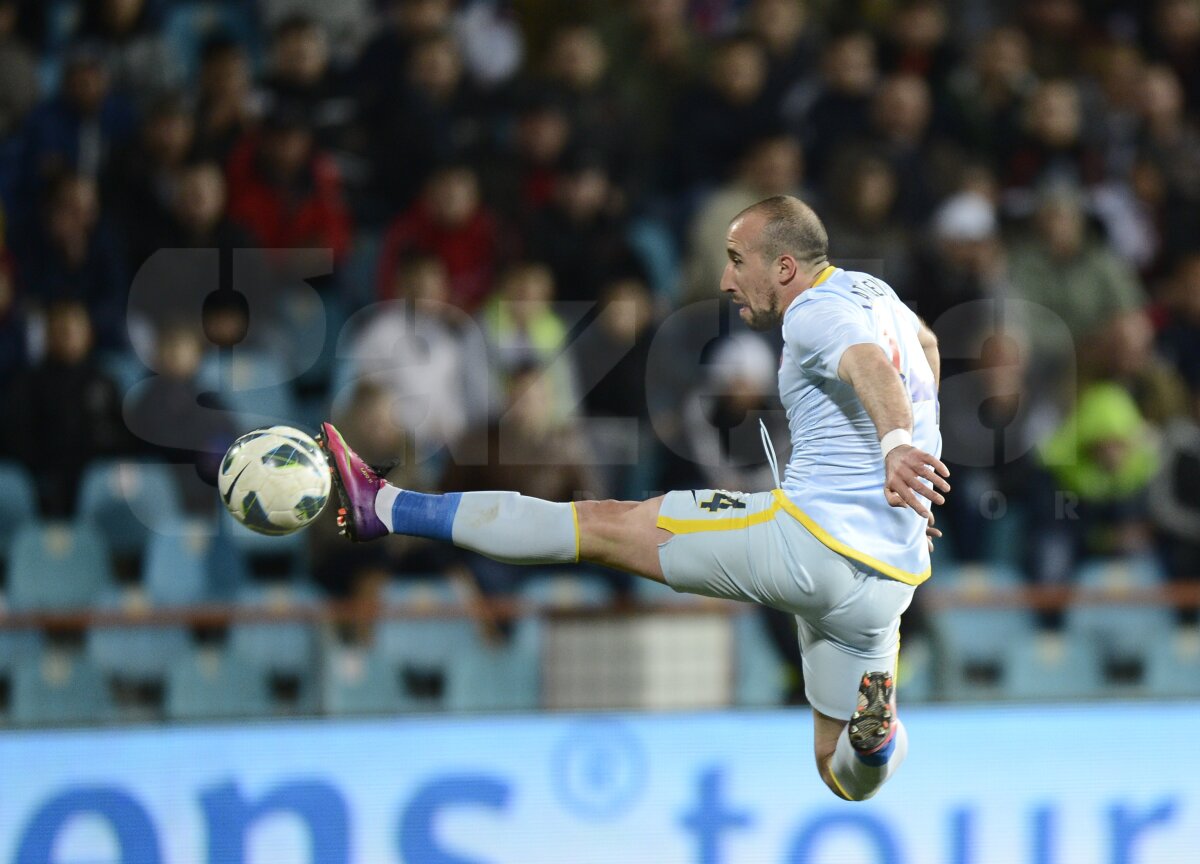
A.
pixel 871 746
pixel 507 526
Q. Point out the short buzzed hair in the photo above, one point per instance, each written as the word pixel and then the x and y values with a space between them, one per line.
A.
pixel 791 227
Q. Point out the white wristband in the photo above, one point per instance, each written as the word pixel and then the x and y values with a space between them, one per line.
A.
pixel 894 439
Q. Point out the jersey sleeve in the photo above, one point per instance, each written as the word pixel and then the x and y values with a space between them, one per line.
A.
pixel 819 331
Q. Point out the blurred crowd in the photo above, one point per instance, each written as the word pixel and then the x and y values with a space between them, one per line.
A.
pixel 518 210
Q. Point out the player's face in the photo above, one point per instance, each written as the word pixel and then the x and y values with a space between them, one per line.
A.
pixel 748 277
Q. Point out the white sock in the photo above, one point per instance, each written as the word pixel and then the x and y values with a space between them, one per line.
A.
pixel 506 526
pixel 858 779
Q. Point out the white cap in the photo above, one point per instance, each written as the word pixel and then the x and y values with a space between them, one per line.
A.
pixel 744 357
pixel 965 216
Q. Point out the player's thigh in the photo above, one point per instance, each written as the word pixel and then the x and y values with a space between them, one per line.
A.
pixel 861 635
pixel 622 534
pixel 727 545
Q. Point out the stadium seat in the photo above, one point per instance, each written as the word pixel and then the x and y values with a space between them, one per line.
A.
pixel 277 557
pixel 972 641
pixel 1052 666
pixel 1118 630
pixel 498 678
pixel 566 591
pixel 18 504
pixel 125 368
pixel 424 653
pixel 761 675
pixel 283 653
pixel 425 592
pixel 175 566
pixel 211 684
pixel 56 566
pixel 1173 665
pixel 189 24
pixel 58 688
pixel 127 501
pixel 362 682
pixel 915 677
pixel 134 652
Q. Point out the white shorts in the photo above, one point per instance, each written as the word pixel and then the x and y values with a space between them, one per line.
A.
pixel 741 546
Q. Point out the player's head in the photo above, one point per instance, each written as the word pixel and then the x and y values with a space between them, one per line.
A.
pixel 774 249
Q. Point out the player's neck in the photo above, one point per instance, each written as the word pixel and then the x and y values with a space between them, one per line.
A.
pixel 811 277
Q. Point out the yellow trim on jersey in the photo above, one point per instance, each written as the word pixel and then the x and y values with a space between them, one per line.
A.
pixel 723 523
pixel 824 274
pixel 842 549
pixel 575 516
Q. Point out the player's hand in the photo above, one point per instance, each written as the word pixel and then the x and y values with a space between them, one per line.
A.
pixel 905 469
pixel 931 532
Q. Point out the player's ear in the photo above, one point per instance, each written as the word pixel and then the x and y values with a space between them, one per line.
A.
pixel 786 268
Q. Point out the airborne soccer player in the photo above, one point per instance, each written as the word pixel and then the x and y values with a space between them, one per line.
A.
pixel 841 545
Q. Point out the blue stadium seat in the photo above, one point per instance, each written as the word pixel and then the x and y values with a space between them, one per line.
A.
pixel 498 678
pixel 1052 667
pixel 424 652
pixel 1118 631
pixel 211 684
pixel 566 591
pixel 973 641
pixel 424 592
pixel 760 676
pixel 18 504
pixel 363 682
pixel 1173 664
pixel 175 567
pixel 253 548
pixel 283 653
pixel 19 644
pixel 125 368
pixel 915 678
pixel 56 566
pixel 135 652
pixel 188 24
pixel 57 689
pixel 127 501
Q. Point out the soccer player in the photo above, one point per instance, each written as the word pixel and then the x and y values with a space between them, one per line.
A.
pixel 841 545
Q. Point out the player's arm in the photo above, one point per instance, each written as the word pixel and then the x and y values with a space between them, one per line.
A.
pixel 866 368
pixel 929 345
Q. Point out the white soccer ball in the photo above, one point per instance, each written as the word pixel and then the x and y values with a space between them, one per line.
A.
pixel 274 480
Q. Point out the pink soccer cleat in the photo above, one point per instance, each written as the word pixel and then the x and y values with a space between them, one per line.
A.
pixel 357 484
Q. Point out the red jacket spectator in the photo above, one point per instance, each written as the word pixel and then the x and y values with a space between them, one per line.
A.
pixel 286 194
pixel 449 222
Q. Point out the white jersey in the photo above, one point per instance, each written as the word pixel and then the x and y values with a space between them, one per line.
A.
pixel 834 480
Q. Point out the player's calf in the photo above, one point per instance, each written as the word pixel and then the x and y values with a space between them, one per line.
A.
pixel 873 744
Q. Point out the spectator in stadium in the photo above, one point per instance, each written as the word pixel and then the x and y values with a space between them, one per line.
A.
pixel 1179 338
pixel 79 127
pixel 522 173
pixel 19 83
pixel 302 75
pixel 130 33
pixel 168 420
pixel 1175 37
pixel 286 192
pixel 613 357
pixel 863 221
pixel 78 258
pixel 522 329
pixel 1169 160
pixel 225 105
pixel 64 412
pixel 1174 497
pixel 1060 267
pixel 987 97
pixel 13 322
pixel 1123 351
pixel 720 116
pixel 838 109
pixel 142 182
pixel 532 446
pixel 380 70
pixel 786 29
pixel 918 43
pixel 435 115
pixel 427 355
pixel 1099 465
pixel 578 70
pixel 451 222
pixel 581 234
pixel 771 166
pixel 1054 148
